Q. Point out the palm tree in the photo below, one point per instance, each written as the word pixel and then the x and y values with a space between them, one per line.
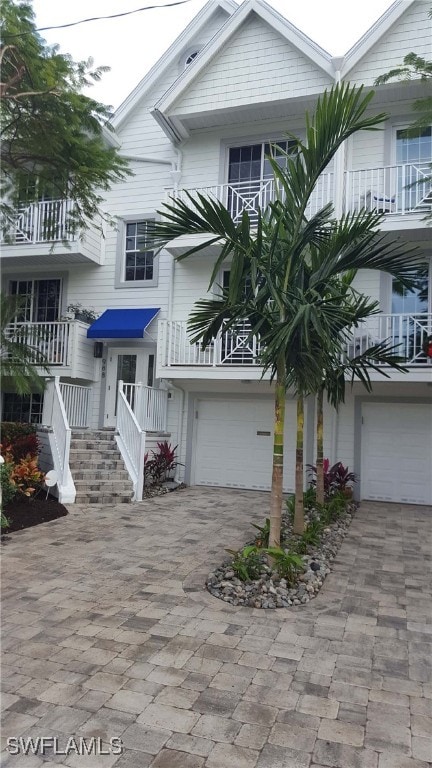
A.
pixel 283 263
pixel 19 359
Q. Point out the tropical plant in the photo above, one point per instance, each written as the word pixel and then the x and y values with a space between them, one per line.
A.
pixel 246 563
pixel 310 537
pixel 287 564
pixel 25 475
pixel 8 489
pixel 291 274
pixel 4 522
pixel 336 478
pixel 19 359
pixel 19 439
pixel 262 538
pixel 83 314
pixel 163 462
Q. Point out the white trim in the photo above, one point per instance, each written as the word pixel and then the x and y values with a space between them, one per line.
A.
pixel 293 35
pixel 373 34
pixel 169 57
pixel 120 280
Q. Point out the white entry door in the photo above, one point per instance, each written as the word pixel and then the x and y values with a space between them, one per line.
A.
pixel 131 366
pixel 397 452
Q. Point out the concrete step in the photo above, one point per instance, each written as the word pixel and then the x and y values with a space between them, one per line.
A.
pixel 110 465
pixel 98 469
pixel 98 498
pixel 93 445
pixel 107 475
pixel 93 455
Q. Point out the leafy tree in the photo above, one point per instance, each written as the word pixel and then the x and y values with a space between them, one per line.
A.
pixel 19 359
pixel 53 136
pixel 414 67
pixel 287 267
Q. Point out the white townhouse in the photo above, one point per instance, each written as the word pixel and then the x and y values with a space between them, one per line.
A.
pixel 235 80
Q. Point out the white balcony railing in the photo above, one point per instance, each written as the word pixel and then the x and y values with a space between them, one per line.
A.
pixel 238 348
pixel 408 333
pixel 233 347
pixel 51 340
pixel 48 221
pixel 149 406
pixel 396 189
pixel 253 195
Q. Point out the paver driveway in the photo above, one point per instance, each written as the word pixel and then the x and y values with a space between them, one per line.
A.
pixel 108 633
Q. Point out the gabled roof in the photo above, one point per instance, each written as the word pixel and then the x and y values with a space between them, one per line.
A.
pixel 373 34
pixel 199 21
pixel 293 35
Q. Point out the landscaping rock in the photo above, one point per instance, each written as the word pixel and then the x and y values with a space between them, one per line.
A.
pixel 270 591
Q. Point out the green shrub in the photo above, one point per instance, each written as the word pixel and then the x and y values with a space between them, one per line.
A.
pixel 20 440
pixel 9 489
pixel 4 522
pixel 262 539
pixel 287 564
pixel 246 562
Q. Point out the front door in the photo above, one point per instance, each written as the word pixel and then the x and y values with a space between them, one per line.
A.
pixel 131 366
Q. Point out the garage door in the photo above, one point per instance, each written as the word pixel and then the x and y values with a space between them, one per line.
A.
pixel 397 453
pixel 234 443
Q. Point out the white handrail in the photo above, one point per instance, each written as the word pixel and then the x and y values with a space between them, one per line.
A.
pixel 131 442
pixel 76 402
pixel 149 406
pixel 61 433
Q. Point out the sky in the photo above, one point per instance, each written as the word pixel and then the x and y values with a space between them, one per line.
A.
pixel 132 44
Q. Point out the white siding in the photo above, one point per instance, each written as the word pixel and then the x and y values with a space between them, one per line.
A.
pixel 256 64
pixel 412 32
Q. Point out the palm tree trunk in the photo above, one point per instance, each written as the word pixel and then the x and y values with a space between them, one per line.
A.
pixel 299 507
pixel 277 474
pixel 320 448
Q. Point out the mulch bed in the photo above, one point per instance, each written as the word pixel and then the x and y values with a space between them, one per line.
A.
pixel 24 512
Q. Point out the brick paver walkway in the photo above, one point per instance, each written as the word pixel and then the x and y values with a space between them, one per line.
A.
pixel 108 633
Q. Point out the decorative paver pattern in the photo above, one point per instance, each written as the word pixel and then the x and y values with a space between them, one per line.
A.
pixel 108 632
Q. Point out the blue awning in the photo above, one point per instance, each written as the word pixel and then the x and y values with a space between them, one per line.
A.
pixel 122 323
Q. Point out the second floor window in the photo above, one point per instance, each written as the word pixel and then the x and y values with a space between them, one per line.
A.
pixel 139 256
pixel 40 300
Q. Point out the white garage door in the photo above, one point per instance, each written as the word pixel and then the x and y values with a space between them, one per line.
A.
pixel 397 453
pixel 234 443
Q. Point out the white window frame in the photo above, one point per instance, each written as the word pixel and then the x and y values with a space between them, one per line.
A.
pixel 120 276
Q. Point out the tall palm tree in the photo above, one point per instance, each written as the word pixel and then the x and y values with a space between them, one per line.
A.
pixel 19 359
pixel 284 261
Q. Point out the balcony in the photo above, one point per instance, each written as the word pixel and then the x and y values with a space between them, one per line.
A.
pixel 395 190
pixel 43 231
pixel 235 354
pixel 64 346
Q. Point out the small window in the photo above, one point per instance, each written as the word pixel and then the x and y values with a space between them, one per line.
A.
pixel 139 256
pixel 25 409
pixel 190 58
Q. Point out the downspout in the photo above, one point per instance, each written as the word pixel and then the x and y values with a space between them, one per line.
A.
pixel 176 176
pixel 339 162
